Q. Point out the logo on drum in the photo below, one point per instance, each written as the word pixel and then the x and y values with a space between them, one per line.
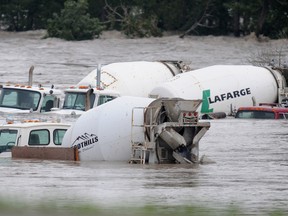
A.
pixel 208 100
pixel 85 141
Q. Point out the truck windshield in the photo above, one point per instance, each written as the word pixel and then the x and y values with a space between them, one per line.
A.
pixel 255 114
pixel 76 100
pixel 19 99
pixel 7 139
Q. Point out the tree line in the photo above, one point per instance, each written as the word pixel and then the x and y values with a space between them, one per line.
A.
pixel 86 19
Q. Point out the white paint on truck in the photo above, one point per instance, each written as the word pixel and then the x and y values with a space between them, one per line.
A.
pixel 224 88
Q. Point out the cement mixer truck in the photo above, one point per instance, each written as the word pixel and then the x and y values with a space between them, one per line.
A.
pixel 224 88
pixel 139 130
pixel 107 82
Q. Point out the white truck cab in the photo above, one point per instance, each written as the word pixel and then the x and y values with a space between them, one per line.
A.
pixel 31 133
pixel 79 99
pixel 28 98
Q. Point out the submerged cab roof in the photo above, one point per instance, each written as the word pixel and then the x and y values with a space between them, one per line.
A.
pixel 263 111
pixel 34 124
pixel 40 88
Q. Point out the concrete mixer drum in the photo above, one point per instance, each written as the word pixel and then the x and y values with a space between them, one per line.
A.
pixel 173 130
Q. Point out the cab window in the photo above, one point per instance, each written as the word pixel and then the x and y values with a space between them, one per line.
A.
pixel 48 103
pixel 104 99
pixel 39 137
pixel 20 99
pixel 75 100
pixel 255 114
pixel 7 139
pixel 58 135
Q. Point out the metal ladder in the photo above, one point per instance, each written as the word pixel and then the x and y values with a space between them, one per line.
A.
pixel 138 154
pixel 139 151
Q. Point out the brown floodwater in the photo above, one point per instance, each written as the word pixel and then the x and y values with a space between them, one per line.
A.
pixel 251 160
pixel 250 172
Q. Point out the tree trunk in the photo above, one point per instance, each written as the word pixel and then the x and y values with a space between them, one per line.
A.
pixel 262 18
pixel 236 24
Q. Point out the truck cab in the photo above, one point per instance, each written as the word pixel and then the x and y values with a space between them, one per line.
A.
pixel 263 111
pixel 31 133
pixel 27 98
pixel 79 99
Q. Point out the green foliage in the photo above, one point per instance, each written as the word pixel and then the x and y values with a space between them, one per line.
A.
pixel 272 23
pixel 74 23
pixel 23 15
pixel 132 19
pixel 172 14
pixel 15 15
pixel 83 19
pixel 13 21
pixel 139 26
pixel 276 24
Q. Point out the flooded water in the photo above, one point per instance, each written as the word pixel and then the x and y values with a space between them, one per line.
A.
pixel 73 60
pixel 251 160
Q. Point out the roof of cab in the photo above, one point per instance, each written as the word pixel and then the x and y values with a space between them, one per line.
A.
pixel 35 125
pixel 264 108
pixel 84 89
pixel 40 88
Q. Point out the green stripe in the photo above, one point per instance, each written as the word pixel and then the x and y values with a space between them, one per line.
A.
pixel 205 102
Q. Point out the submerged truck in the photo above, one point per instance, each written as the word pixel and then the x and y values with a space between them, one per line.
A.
pixel 30 138
pixel 107 82
pixel 79 99
pixel 15 98
pixel 28 98
pixel 139 130
pixel 224 88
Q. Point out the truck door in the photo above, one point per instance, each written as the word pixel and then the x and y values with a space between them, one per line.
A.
pixel 49 101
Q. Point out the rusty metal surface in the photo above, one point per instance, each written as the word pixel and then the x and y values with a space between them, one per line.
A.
pixel 45 153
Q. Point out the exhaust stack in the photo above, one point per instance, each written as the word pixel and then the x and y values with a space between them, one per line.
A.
pixel 30 80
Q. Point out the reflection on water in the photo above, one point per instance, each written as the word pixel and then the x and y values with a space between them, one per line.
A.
pixel 250 172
